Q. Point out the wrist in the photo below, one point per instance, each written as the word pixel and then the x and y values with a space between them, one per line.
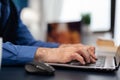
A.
pixel 46 54
pixel 39 54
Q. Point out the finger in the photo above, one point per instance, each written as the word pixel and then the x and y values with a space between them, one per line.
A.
pixel 92 49
pixel 92 60
pixel 76 56
pixel 84 53
pixel 92 54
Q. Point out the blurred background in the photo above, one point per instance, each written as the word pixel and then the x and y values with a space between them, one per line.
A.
pixel 67 21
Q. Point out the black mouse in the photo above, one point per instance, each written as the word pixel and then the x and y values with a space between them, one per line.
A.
pixel 39 68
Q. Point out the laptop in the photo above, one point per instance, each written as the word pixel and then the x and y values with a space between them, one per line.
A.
pixel 104 62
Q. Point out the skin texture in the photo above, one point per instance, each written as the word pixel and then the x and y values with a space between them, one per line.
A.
pixel 66 53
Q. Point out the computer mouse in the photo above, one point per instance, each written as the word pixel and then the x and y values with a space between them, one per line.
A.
pixel 39 68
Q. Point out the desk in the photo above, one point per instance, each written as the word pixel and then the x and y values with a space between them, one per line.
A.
pixel 18 73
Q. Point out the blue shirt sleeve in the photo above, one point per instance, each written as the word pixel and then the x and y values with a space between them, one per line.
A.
pixel 24 37
pixel 24 49
pixel 15 54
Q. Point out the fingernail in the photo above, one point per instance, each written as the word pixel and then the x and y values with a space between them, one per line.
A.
pixel 83 62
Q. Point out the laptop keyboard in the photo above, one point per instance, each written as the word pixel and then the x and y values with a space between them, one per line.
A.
pixel 99 63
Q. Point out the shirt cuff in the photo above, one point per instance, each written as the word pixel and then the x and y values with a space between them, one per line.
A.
pixel 26 54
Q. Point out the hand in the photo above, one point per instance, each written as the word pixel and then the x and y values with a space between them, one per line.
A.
pixel 64 54
pixel 89 49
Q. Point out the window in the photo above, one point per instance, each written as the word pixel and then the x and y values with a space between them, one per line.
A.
pixel 99 10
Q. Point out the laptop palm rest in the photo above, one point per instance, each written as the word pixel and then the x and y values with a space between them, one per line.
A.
pixel 103 62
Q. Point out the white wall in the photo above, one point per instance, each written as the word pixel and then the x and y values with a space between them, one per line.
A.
pixel 42 11
pixel 99 9
pixel 117 23
pixel 38 14
pixel 52 9
pixel 33 17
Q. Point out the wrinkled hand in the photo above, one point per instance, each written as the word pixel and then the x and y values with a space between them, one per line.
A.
pixel 67 53
pixel 90 50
